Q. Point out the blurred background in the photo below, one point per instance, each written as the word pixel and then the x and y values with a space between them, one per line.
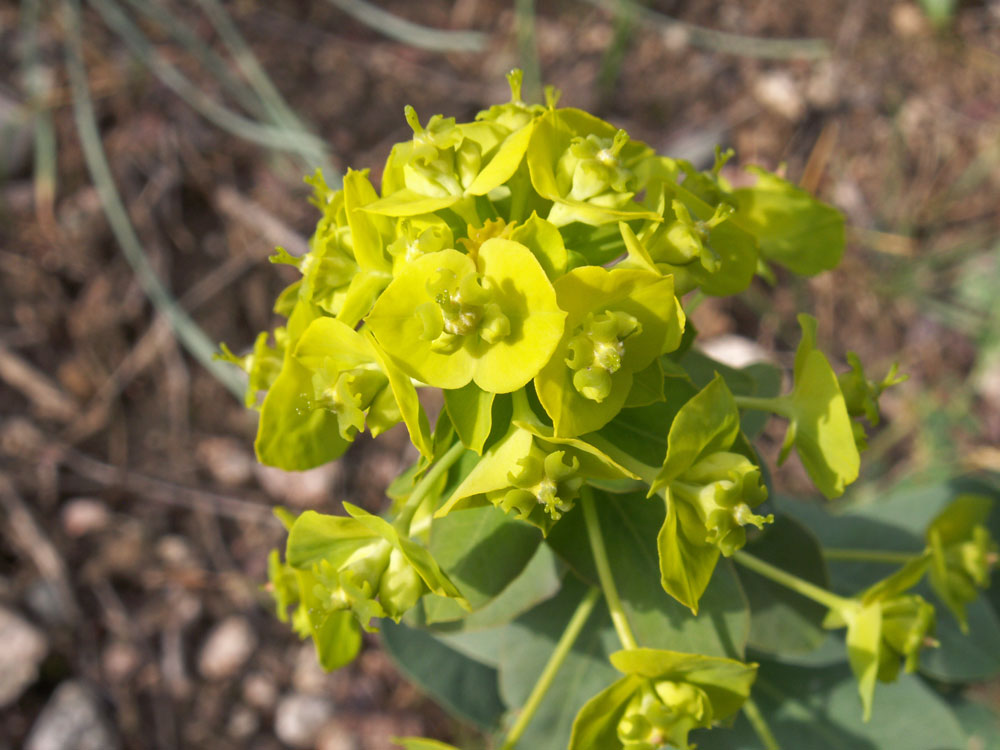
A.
pixel 151 158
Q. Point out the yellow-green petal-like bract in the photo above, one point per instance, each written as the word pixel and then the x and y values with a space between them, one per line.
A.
pixel 448 319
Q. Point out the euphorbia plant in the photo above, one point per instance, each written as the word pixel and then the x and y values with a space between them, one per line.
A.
pixel 533 266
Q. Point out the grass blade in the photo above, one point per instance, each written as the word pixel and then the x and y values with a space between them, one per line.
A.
pixel 187 331
pixel 721 41
pixel 424 37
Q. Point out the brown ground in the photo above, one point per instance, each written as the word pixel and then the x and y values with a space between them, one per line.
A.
pixel 136 520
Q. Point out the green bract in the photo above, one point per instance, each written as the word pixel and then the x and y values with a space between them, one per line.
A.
pixel 710 493
pixel 534 475
pixel 448 318
pixel 534 266
pixel 663 696
pixel 885 624
pixel 618 322
pixel 962 553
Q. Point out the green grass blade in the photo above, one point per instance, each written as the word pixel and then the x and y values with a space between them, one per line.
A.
pixel 424 37
pixel 722 41
pixel 274 103
pixel 310 148
pixel 210 60
pixel 187 331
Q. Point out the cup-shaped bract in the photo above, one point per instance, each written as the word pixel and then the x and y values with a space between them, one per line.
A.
pixel 709 490
pixel 363 565
pixel 697 243
pixel 334 383
pixel 618 322
pixel 661 698
pixel 448 318
pixel 962 553
pixel 885 624
pixel 534 475
pixel 590 170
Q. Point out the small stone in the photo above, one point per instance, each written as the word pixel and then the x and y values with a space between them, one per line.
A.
pixel 335 736
pixel 907 20
pixel 299 719
pixel 84 515
pixel 71 720
pixel 735 351
pixel 175 551
pixel 24 647
pixel 119 660
pixel 260 691
pixel 226 459
pixel 778 92
pixel 243 722
pixel 227 648
pixel 308 676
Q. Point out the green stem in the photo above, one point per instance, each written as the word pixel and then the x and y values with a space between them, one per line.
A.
pixel 425 485
pixel 562 649
pixel 618 617
pixel 759 724
pixel 778 405
pixel 798 585
pixel 869 555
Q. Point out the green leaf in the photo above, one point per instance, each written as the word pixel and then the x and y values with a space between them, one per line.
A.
pixel 368 230
pixel 686 561
pixel 793 228
pixel 658 620
pixel 541 579
pixel 782 622
pixel 406 202
pixel 464 687
pixel 482 550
